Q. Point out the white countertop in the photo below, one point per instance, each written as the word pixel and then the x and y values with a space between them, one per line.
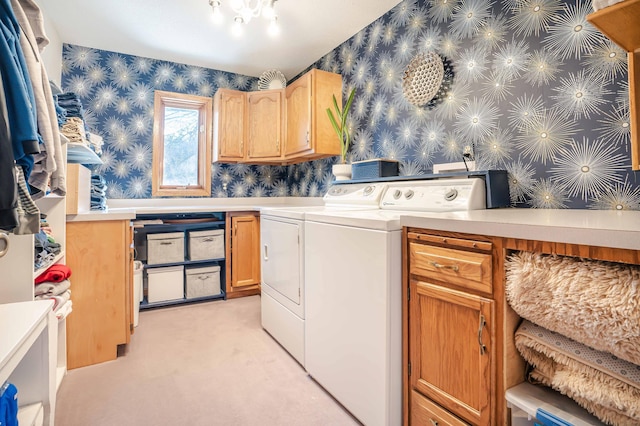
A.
pixel 605 228
pixel 127 209
pixel 19 321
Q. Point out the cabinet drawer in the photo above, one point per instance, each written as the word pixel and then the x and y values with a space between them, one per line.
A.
pixel 466 269
pixel 425 412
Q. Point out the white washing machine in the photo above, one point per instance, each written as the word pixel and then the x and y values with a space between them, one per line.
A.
pixel 282 261
pixel 353 279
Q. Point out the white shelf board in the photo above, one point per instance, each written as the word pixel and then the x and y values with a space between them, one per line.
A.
pixel 81 154
pixel 31 415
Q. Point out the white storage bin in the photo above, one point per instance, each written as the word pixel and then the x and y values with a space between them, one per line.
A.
pixel 539 405
pixel 202 282
pixel 165 284
pixel 167 247
pixel 205 245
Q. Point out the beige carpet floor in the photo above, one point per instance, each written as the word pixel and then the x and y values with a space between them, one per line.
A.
pixel 203 364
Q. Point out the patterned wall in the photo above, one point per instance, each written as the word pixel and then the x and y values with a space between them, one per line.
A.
pixel 534 89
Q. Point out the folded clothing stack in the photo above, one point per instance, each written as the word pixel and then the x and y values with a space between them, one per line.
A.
pixel 46 247
pixel 96 142
pixel 74 130
pixel 71 103
pixel 98 193
pixel 54 284
pixel 61 113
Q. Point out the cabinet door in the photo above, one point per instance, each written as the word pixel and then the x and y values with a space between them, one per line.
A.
pixel 245 252
pixel 298 105
pixel 450 336
pixel 98 254
pixel 229 119
pixel 264 129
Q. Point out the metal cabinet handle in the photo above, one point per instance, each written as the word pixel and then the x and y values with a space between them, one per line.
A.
pixel 483 348
pixel 4 238
pixel 433 422
pixel 266 252
pixel 454 268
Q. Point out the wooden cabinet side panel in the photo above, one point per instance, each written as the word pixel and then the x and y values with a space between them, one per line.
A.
pixel 298 113
pixel 634 105
pixel 97 253
pixel 129 327
pixel 325 86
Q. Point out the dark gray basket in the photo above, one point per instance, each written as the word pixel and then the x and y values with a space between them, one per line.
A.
pixel 371 169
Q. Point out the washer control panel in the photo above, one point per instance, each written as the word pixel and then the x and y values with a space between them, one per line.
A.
pixel 357 194
pixel 437 195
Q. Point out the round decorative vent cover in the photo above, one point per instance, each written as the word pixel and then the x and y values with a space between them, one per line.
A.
pixel 422 78
pixel 272 79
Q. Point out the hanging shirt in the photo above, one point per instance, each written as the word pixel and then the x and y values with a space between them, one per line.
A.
pixel 21 108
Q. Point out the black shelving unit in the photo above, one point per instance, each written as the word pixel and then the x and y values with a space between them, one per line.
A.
pixel 178 222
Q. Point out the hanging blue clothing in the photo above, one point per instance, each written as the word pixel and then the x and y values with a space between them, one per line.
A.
pixel 9 406
pixel 18 91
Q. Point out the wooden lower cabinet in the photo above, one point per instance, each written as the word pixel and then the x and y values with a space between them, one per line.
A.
pixel 426 412
pixel 99 254
pixel 449 331
pixel 243 249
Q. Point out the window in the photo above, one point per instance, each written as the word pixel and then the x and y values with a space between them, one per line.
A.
pixel 181 145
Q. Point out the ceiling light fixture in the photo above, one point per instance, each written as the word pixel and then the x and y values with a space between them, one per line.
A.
pixel 245 10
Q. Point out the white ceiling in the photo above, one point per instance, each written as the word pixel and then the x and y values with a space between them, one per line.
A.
pixel 182 31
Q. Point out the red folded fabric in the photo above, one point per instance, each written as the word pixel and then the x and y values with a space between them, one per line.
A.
pixel 54 274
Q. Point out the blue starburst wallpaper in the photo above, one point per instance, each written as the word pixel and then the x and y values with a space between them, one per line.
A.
pixel 530 86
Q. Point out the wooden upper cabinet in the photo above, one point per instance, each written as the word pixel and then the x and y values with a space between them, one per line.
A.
pixel 264 124
pixel 282 126
pixel 309 134
pixel 228 125
pixel 298 102
pixel 620 24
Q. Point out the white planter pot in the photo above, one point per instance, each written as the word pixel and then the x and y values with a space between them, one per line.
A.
pixel 342 171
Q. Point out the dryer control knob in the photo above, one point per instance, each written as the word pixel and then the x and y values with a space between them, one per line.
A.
pixel 368 190
pixel 451 194
pixel 396 194
pixel 409 194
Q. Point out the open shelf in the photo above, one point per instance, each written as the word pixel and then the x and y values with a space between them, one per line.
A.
pixel 619 23
pixel 146 305
pixel 31 414
pixel 185 262
pixel 42 269
pixel 81 154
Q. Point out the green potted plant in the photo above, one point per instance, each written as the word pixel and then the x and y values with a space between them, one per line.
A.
pixel 342 171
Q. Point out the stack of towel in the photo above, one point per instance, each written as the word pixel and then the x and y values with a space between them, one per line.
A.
pixel 98 192
pixel 74 130
pixel 54 284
